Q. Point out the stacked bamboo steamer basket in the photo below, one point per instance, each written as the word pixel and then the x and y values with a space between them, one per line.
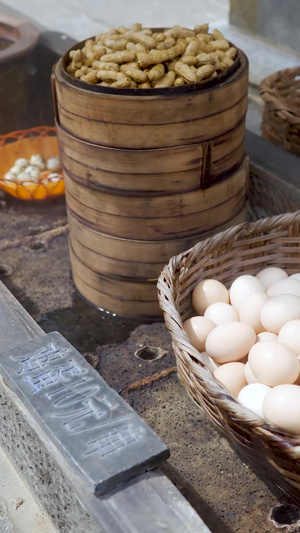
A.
pixel 148 173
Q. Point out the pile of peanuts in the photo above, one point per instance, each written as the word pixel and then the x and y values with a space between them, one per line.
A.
pixel 143 59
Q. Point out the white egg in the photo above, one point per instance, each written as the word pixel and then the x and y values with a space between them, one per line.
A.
pixel 249 376
pixel 249 311
pixel 16 169
pixel 242 287
pixel 295 276
pixel 20 178
pixel 273 363
pixel 252 396
pixel 232 376
pixel 220 313
pixel 33 173
pixel 21 162
pixel 270 275
pixel 289 335
pixel 8 176
pixel 285 286
pixel 53 163
pixel 279 310
pixel 197 329
pixel 207 292
pixel 37 161
pixel 54 177
pixel 230 342
pixel 281 406
pixel 266 336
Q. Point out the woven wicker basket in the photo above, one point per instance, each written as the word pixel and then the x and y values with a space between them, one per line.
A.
pixel 281 115
pixel 246 248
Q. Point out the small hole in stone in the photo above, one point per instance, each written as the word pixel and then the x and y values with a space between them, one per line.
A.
pixel 285 515
pixel 148 353
pixel 5 271
pixel 38 246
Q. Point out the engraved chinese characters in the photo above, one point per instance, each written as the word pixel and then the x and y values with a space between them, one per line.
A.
pixel 95 429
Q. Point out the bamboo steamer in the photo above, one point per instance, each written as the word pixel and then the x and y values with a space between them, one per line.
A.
pixel 147 174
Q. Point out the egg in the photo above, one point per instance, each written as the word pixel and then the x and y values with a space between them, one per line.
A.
pixel 289 335
pixel 21 177
pixel 232 376
pixel 21 162
pixel 270 275
pixel 53 164
pixel 37 161
pixel 249 376
pixel 230 342
pixel 279 310
pixel 273 363
pixel 252 396
pixel 242 287
pixel 16 170
pixel 197 329
pixel 54 176
pixel 207 292
pixel 8 176
pixel 249 311
pixel 220 313
pixel 281 407
pixel 295 276
pixel 266 336
pixel 32 172
pixel 285 286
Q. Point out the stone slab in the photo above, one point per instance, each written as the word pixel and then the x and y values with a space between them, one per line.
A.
pixel 99 434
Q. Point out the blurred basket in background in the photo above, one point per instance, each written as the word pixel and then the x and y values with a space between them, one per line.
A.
pixel 25 143
pixel 246 248
pixel 281 115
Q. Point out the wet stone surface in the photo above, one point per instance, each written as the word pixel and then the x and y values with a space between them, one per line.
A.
pixel 227 494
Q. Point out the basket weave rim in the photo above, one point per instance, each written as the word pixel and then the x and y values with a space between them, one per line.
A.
pixel 200 372
pixel 271 95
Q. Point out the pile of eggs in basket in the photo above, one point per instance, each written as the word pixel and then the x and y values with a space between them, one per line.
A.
pixel 35 169
pixel 249 337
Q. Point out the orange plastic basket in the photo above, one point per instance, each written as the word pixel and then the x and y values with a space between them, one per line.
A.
pixel 24 143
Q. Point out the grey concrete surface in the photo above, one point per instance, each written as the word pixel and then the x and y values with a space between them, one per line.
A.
pixel 83 19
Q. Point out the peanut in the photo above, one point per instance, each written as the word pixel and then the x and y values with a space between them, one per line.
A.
pixel 231 52
pixel 145 85
pixel 167 43
pixel 179 81
pixel 156 72
pixel 116 45
pixel 136 27
pixel 204 46
pixel 220 54
pixel 203 28
pixel 122 29
pixel 111 75
pixel 160 56
pixel 160 37
pixel 185 72
pixel 205 59
pixel 121 83
pixel 218 35
pixel 205 72
pixel 166 81
pixel 90 77
pixel 227 61
pixel 142 38
pixel 134 73
pixel 192 48
pixel 119 57
pixel 179 32
pixel 189 60
pixel 220 45
pixel 207 37
pixel 103 65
